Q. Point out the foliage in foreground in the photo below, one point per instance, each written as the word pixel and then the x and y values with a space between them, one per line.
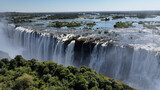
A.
pixel 21 74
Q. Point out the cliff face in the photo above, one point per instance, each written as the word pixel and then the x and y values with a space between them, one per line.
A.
pixel 138 68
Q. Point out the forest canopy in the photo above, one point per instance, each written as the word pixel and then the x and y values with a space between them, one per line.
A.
pixel 21 74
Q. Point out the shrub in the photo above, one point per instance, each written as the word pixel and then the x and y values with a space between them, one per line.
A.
pixel 24 82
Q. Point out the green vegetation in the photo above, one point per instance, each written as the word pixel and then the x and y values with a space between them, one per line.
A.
pixel 64 24
pixel 140 22
pixel 122 25
pixel 82 40
pixel 148 24
pixel 118 17
pixel 16 20
pixel 91 24
pixel 21 74
pixel 145 16
pixel 86 28
pixel 101 17
pixel 23 18
pixel 106 32
pixel 99 32
pixel 60 16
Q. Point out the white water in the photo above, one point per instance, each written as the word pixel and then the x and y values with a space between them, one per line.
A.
pixel 136 67
pixel 5 46
pixel 70 54
pixel 140 38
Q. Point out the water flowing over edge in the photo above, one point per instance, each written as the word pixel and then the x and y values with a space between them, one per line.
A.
pixel 138 68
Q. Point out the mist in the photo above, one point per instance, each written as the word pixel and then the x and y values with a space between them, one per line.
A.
pixel 7 49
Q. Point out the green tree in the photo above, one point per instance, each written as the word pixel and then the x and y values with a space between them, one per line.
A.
pixel 2 64
pixel 73 69
pixel 81 83
pixel 5 60
pixel 24 82
pixel 20 60
pixel 13 64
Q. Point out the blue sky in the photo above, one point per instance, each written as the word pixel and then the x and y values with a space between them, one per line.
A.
pixel 77 5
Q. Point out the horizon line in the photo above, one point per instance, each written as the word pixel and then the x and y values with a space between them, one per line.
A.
pixel 79 11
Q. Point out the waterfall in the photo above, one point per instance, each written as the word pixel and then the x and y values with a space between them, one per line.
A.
pixel 138 68
pixel 69 57
pixel 41 47
pixel 7 49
